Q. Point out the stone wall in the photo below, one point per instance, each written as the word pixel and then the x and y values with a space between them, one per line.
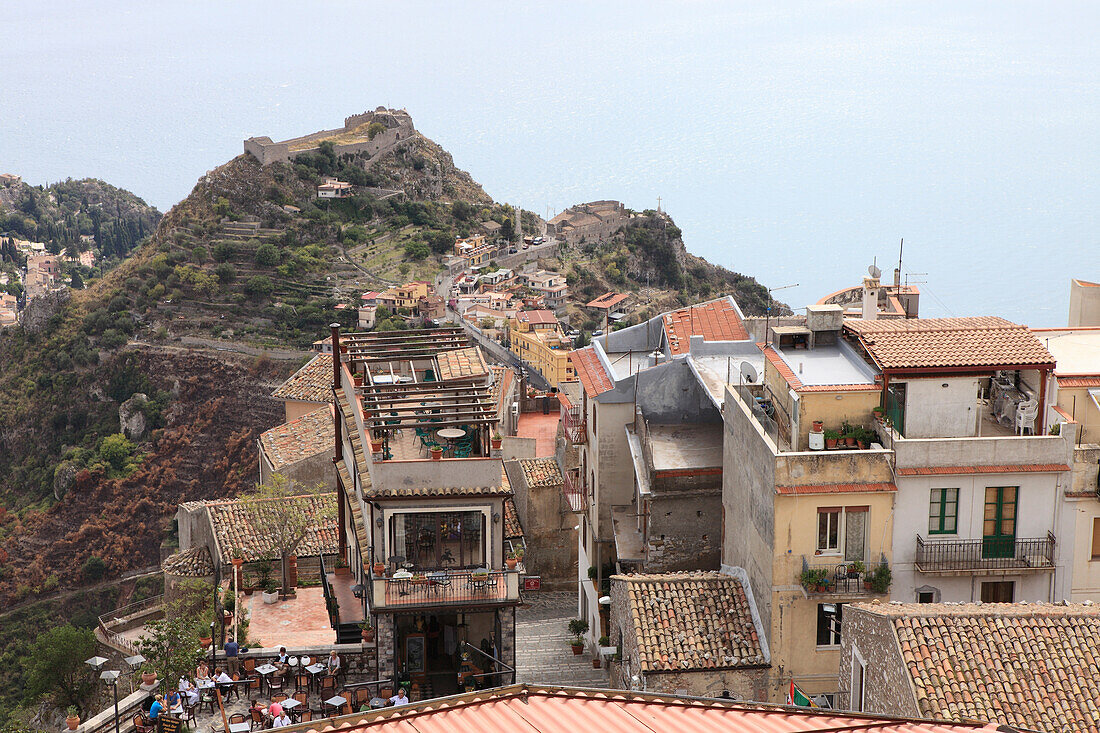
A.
pixel 870 636
pixel 685 530
pixel 398 124
pixel 548 529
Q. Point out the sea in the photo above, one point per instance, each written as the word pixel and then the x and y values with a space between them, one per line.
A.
pixel 796 142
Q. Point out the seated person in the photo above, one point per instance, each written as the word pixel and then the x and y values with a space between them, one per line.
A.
pixel 202 672
pixel 281 720
pixel 157 708
pixel 173 702
pixel 333 662
pixel 283 657
pixel 221 677
pixel 400 698
pixel 188 691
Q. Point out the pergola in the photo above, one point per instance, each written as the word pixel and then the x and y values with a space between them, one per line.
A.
pixel 428 405
pixel 396 346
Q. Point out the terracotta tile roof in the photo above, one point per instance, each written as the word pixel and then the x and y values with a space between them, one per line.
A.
pixel 459 363
pixel 311 383
pixel 537 709
pixel 1065 382
pixel 296 440
pixel 962 470
pixel 193 563
pixel 541 472
pixel 714 321
pixel 590 371
pixel 513 530
pixel 920 343
pixel 834 489
pixel 692 621
pixel 1026 665
pixel 607 301
pixel 536 317
pixel 398 492
pixel 233 528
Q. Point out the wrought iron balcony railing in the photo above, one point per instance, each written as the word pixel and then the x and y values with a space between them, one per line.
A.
pixel 575 491
pixel 445 588
pixel 575 426
pixel 988 553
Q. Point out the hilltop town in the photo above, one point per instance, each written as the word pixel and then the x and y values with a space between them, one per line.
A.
pixel 358 436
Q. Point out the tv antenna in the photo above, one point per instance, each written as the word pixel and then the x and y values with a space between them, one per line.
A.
pixel 767 320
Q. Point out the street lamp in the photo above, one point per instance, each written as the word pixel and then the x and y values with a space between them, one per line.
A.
pixel 134 663
pixel 110 678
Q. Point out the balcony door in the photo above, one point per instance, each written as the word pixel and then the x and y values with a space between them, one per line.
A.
pixel 999 526
pixel 440 540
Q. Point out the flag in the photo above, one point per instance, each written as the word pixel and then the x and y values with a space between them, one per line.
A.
pixel 796 696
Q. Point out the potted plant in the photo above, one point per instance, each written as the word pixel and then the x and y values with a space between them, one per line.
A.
pixel 380 569
pixel 437 452
pixel 818 425
pixel 849 433
pixel 831 438
pixel 877 412
pixel 511 561
pixel 856 569
pixel 342 569
pixel 881 578
pixel 229 604
pixel 148 677
pixel 496 440
pixel 367 630
pixel 864 437
pixel 270 591
pixel 73 718
pixel 578 627
pixel 815 579
pixel 376 445
pixel 358 379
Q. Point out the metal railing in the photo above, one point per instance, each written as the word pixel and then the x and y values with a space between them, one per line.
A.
pixel 831 577
pixel 128 612
pixel 574 490
pixel 445 588
pixel 575 426
pixel 989 553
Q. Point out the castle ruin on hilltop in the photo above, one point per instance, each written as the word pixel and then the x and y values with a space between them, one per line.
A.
pixel 353 137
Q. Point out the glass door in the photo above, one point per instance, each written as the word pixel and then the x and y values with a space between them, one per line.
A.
pixel 999 526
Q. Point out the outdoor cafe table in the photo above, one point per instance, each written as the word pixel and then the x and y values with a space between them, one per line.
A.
pixel 335 701
pixel 265 671
pixel 314 670
pixel 239 727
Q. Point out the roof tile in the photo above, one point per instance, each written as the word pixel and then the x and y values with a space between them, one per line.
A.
pixel 590 371
pixel 714 321
pixel 311 383
pixel 309 435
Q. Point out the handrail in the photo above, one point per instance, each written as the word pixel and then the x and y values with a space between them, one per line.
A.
pixel 986 553
pixel 123 613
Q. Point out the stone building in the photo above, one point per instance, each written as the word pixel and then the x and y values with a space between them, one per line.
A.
pixel 1024 665
pixel 300 450
pixel 542 510
pixel 595 221
pixel 694 633
pixel 353 137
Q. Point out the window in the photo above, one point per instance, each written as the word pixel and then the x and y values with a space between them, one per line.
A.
pixel 829 616
pixel 859 676
pixel 440 540
pixel 1096 538
pixel 842 527
pixel 828 529
pixel 998 591
pixel 926 596
pixel 943 511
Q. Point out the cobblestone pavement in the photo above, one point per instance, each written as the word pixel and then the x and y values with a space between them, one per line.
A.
pixel 543 655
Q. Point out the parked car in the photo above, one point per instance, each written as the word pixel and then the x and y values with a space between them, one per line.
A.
pixel 598 333
pixel 512 251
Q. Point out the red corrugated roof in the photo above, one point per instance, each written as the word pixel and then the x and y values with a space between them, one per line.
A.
pixel 962 470
pixel 608 300
pixel 590 371
pixel 714 321
pixel 834 489
pixel 529 709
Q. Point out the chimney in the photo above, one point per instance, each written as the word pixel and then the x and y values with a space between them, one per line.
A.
pixel 870 298
pixel 897 278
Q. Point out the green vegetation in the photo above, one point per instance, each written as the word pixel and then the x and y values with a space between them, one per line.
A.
pixel 171 644
pixel 56 667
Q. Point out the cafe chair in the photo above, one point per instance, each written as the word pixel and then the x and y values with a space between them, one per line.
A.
pixel 257 720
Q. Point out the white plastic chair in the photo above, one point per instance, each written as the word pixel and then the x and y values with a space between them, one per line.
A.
pixel 1025 416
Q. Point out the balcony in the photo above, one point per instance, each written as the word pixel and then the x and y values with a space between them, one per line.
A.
pixel 837 578
pixel 576 427
pixel 991 554
pixel 445 588
pixel 576 493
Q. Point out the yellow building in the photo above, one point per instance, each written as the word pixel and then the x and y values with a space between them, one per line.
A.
pixel 536 338
pixel 405 296
pixel 815 526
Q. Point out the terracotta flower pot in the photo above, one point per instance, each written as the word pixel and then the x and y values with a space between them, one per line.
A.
pixel 376 445
pixel 206 641
pixel 596 663
pixel 496 442
pixel 818 426
pixel 368 636
pixel 511 563
pixel 148 678
pixel 73 721
pixel 379 569
pixel 577 649
pixel 830 443
pixel 849 441
pixel 437 454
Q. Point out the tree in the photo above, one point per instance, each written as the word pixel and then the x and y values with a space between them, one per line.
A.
pixel 259 285
pixel 267 255
pixel 78 281
pixel 57 669
pixel 374 129
pixel 284 511
pixel 171 644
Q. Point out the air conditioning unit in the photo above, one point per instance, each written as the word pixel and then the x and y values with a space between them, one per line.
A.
pixel 515 409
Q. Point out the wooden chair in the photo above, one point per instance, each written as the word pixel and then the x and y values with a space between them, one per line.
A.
pixel 302 682
pixel 257 720
pixel 306 716
pixel 274 683
pixel 249 666
pixel 207 697
pixel 238 718
pixel 189 714
pixel 279 698
pixel 255 683
pixel 142 724
pixel 301 697
pixel 328 684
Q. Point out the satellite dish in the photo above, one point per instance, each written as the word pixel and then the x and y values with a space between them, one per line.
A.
pixel 874 272
pixel 748 372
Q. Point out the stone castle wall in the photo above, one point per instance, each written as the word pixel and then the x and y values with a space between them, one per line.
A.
pixel 398 124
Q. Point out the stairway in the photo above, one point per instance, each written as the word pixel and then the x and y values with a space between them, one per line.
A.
pixel 349 633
